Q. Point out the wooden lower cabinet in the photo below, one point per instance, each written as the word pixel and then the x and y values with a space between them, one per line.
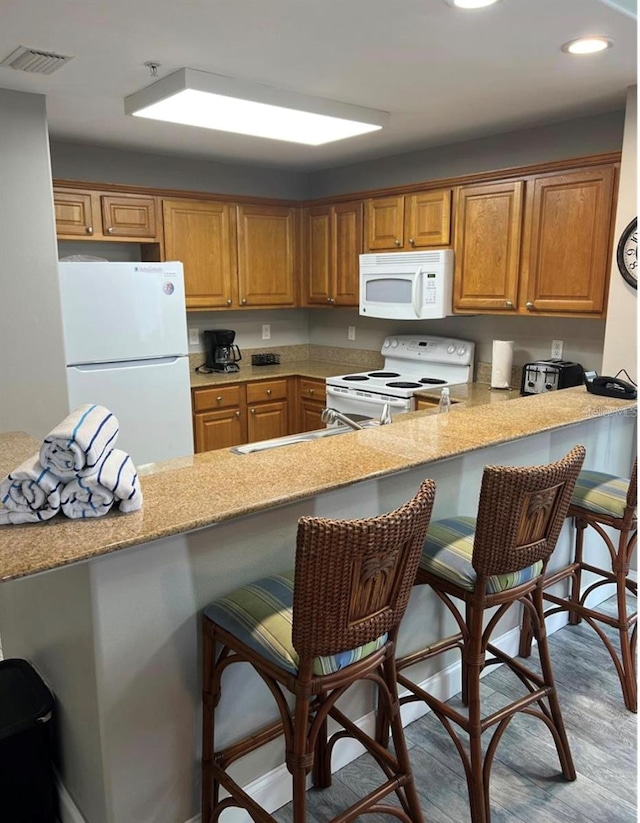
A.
pixel 312 398
pixel 218 418
pixel 267 409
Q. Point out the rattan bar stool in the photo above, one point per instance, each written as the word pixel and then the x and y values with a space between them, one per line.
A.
pixel 602 501
pixel 313 633
pixel 495 560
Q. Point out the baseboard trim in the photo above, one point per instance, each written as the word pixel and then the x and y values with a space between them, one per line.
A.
pixel 69 812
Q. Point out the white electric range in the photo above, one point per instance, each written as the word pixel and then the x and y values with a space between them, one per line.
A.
pixel 411 363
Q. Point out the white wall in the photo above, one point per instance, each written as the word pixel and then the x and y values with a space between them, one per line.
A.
pixel 621 337
pixel 32 371
pixel 288 327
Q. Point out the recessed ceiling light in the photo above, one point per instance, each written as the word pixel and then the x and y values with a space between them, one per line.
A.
pixel 470 4
pixel 587 45
pixel 211 101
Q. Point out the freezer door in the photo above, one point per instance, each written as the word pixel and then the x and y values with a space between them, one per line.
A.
pixel 151 400
pixel 122 311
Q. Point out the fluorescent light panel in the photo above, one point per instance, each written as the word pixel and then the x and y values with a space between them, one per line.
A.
pixel 211 101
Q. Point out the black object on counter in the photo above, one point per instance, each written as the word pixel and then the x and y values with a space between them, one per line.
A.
pixel 265 359
pixel 28 792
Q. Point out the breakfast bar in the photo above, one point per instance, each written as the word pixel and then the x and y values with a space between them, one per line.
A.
pixel 108 610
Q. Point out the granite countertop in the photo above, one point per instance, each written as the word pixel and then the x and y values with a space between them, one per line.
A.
pixel 204 489
pixel 317 369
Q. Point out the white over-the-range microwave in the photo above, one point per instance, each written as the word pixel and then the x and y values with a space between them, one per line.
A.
pixel 412 285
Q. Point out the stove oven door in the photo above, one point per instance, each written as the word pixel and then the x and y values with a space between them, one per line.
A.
pixel 371 406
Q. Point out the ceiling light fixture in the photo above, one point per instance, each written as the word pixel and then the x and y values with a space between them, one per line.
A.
pixel 211 101
pixel 587 45
pixel 471 4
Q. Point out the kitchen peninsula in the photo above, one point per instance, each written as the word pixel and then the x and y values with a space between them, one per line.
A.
pixel 117 636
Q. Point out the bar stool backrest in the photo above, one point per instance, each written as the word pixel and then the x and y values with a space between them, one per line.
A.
pixel 632 492
pixel 521 512
pixel 353 578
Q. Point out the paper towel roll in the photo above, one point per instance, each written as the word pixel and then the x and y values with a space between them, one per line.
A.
pixel 501 364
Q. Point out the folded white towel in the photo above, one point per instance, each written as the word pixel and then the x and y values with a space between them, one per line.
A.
pixel 77 445
pixel 94 495
pixel 29 494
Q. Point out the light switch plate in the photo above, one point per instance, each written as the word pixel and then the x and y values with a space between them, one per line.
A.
pixel 556 349
pixel 351 332
pixel 193 337
pixel 266 332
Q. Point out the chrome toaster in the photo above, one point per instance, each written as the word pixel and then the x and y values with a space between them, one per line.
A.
pixel 548 375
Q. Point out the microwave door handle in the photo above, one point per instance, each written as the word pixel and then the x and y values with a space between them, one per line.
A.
pixel 417 281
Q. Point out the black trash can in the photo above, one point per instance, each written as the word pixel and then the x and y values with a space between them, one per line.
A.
pixel 28 791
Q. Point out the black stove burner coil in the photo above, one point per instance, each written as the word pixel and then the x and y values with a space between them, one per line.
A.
pixel 355 377
pixel 386 374
pixel 432 381
pixel 403 384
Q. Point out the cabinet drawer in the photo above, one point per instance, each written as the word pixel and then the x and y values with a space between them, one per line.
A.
pixel 266 390
pixel 313 390
pixel 217 397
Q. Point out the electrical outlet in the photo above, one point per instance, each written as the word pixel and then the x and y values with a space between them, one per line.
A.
pixel 351 332
pixel 556 349
pixel 193 337
pixel 266 332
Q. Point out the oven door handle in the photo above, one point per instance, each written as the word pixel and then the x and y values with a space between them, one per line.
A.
pixel 415 297
pixel 395 404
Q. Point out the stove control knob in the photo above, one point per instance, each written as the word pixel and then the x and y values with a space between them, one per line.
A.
pixel 462 350
pixel 394 343
pixel 451 349
pixel 386 344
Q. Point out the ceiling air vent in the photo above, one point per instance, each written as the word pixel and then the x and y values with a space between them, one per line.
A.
pixel 35 61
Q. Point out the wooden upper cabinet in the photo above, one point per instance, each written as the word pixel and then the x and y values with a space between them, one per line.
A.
pixel 202 235
pixel 568 234
pixel 266 255
pixel 99 216
pixel 333 244
pixel 411 221
pixel 487 247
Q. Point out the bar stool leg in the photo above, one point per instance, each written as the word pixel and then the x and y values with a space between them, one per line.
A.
pixel 210 787
pixel 576 577
pixel 299 759
pixel 472 666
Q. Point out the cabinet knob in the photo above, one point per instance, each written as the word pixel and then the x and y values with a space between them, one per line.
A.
pixel 397 242
pixel 89 229
pixel 329 300
pixel 311 391
pixel 237 414
pixel 529 305
pixel 110 230
pixel 218 399
pixel 243 301
pixel 508 304
pixel 229 302
pixel 412 242
pixel 268 391
pixel 253 411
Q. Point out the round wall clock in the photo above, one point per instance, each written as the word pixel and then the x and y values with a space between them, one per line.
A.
pixel 627 255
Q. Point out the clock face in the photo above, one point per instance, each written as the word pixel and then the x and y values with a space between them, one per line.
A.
pixel 628 253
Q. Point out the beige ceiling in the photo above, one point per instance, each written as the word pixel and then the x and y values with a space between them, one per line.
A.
pixel 443 74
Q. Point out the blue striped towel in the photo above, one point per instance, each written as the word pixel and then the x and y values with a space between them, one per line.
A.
pixel 77 445
pixel 29 494
pixel 95 494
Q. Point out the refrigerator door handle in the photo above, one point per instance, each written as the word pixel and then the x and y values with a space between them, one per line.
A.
pixel 123 364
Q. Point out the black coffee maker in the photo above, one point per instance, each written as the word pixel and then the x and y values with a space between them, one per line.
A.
pixel 221 353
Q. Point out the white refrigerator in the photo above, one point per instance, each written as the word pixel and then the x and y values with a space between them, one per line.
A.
pixel 125 338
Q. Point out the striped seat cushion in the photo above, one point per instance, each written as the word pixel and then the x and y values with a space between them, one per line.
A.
pixel 601 493
pixel 260 615
pixel 447 553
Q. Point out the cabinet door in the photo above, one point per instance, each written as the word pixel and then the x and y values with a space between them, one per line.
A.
pixel 218 430
pixel 566 268
pixel 202 235
pixel 266 254
pixel 129 216
pixel 384 223
pixel 428 219
pixel 74 214
pixel 318 255
pixel 311 402
pixel 267 420
pixel 487 247
pixel 347 247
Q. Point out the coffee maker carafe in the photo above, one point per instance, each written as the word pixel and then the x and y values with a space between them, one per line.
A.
pixel 221 353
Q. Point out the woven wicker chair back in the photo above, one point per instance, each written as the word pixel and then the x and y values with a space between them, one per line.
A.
pixel 353 578
pixel 521 512
pixel 632 491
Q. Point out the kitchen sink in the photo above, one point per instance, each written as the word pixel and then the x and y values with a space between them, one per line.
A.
pixel 302 437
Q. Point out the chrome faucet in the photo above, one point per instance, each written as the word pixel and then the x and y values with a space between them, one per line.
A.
pixel 333 416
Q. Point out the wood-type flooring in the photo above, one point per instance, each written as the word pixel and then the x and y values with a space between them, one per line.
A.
pixel 526 783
